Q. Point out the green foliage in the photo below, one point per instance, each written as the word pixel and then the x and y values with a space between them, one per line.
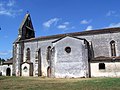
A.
pixel 37 83
pixel 1 60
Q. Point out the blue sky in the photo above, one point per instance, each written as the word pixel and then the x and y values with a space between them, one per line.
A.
pixel 51 17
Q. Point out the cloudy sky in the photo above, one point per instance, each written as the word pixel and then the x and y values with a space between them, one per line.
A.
pixel 55 17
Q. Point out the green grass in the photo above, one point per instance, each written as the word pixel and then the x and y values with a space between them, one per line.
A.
pixel 37 83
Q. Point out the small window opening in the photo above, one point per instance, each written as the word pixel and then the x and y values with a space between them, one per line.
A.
pixel 101 66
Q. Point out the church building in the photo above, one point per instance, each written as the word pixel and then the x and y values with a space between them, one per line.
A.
pixel 94 53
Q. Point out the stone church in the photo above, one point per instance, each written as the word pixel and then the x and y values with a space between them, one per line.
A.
pixel 94 53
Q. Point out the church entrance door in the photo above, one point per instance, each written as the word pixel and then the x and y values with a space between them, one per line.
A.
pixel 8 71
pixel 48 72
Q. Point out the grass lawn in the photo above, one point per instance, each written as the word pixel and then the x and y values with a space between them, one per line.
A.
pixel 37 83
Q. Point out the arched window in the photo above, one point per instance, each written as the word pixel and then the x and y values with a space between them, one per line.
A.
pixel 36 54
pixel 113 49
pixel 101 66
pixel 28 54
pixel 48 53
pixel 48 72
pixel 25 69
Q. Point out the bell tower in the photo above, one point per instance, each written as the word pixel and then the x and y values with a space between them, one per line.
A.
pixel 26 30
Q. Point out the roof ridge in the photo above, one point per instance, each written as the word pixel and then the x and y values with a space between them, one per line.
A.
pixel 91 32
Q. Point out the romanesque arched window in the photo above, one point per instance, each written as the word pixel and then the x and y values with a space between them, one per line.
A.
pixel 28 54
pixel 25 69
pixel 113 49
pixel 36 54
pixel 48 53
pixel 48 71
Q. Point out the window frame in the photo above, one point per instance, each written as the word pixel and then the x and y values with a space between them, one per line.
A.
pixel 28 54
pixel 113 48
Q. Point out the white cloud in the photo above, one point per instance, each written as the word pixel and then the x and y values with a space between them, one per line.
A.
pixel 109 13
pixel 11 3
pixel 85 21
pixel 113 13
pixel 65 26
pixel 5 12
pixel 114 25
pixel 7 8
pixel 54 21
pixel 10 12
pixel 66 23
pixel 51 22
pixel 89 28
pixel 3 53
pixel 62 27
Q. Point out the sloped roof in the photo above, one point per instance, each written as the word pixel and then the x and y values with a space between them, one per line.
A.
pixel 10 61
pixel 24 20
pixel 23 24
pixel 83 33
pixel 29 62
pixel 106 59
pixel 68 36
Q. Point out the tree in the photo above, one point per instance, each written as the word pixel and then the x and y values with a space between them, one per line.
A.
pixel 1 61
